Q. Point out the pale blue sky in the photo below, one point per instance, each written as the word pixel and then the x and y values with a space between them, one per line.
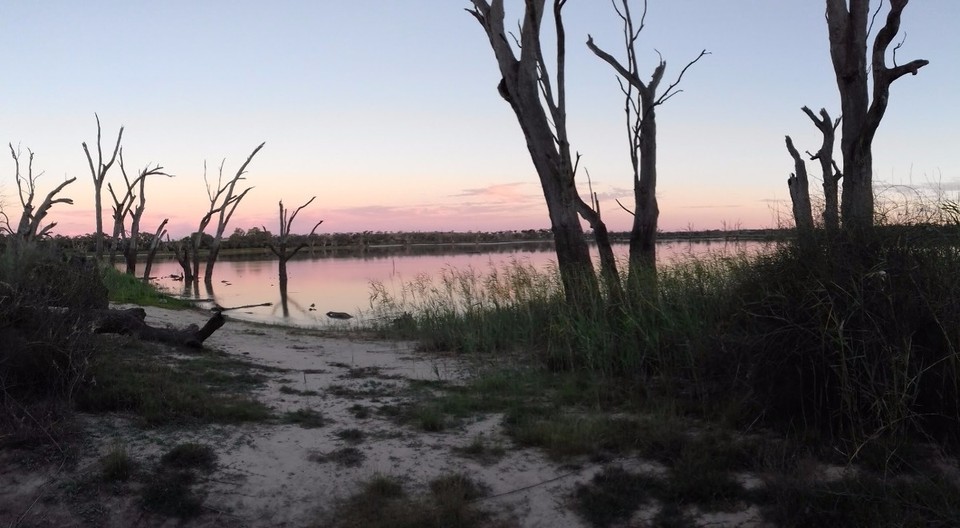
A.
pixel 388 110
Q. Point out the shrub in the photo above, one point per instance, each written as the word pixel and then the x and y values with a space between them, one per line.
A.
pixel 855 341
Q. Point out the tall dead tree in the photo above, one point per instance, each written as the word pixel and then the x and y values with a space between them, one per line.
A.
pixel 640 109
pixel 136 213
pixel 99 174
pixel 526 85
pixel 799 187
pixel 849 28
pixel 829 170
pixel 29 228
pixel 281 249
pixel 228 199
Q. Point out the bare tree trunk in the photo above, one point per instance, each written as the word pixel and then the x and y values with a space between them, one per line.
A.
pixel 183 257
pixel 154 244
pixel 828 167
pixel 643 234
pixel 800 192
pixel 608 262
pixel 280 250
pixel 226 209
pixel 99 174
pixel 848 31
pixel 526 86
pixel 131 249
pixel 641 121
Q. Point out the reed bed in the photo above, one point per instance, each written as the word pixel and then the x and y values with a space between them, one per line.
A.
pixel 823 338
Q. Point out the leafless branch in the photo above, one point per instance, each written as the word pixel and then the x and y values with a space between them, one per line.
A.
pixel 668 93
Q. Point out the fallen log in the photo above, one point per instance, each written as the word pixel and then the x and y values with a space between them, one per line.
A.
pixel 131 321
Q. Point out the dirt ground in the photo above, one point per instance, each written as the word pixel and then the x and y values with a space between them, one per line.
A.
pixel 277 474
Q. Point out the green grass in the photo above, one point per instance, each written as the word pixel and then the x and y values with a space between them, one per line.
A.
pixel 482 450
pixel 851 343
pixel 127 289
pixel 130 376
pixel 383 502
pixel 306 418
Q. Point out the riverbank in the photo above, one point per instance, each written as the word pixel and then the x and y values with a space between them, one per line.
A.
pixel 335 402
pixel 363 432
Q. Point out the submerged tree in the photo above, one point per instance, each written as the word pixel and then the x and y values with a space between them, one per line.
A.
pixel 849 23
pixel 540 108
pixel 99 174
pixel 30 227
pixel 641 101
pixel 224 202
pixel 282 250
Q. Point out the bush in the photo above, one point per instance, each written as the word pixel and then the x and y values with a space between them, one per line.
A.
pixel 41 295
pixel 855 341
pixel 45 349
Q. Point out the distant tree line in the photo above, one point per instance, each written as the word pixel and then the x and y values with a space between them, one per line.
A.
pixel 259 238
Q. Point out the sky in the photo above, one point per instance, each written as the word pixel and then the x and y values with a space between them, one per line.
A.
pixel 387 110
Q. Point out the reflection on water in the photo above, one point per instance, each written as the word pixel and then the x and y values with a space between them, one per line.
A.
pixel 340 282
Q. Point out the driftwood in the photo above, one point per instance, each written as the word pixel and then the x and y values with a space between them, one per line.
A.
pixel 131 322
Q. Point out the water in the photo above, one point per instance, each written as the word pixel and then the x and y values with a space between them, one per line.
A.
pixel 340 282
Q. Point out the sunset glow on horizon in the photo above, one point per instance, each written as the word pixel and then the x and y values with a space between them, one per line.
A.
pixel 388 112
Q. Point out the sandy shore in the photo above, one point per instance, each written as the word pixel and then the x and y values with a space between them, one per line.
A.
pixel 276 474
pixel 272 474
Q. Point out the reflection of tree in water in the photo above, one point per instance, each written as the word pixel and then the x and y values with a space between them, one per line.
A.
pixel 285 303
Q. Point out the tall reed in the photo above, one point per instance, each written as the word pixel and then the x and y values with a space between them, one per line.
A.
pixel 853 341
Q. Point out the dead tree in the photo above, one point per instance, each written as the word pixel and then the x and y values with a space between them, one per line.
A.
pixel 799 187
pixel 224 202
pixel 848 30
pixel 132 321
pixel 99 174
pixel 154 245
pixel 828 166
pixel 29 227
pixel 183 256
pixel 641 120
pixel 130 248
pixel 526 85
pixel 281 249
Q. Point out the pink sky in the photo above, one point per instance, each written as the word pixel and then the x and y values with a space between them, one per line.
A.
pixel 500 207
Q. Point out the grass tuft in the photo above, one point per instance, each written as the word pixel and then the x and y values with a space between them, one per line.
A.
pixel 611 497
pixel 130 376
pixel 306 418
pixel 117 465
pixel 170 493
pixel 382 502
pixel 190 455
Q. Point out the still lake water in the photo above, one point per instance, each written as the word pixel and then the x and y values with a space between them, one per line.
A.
pixel 341 281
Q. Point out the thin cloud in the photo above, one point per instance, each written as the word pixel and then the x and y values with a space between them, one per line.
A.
pixel 514 191
pixel 728 206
